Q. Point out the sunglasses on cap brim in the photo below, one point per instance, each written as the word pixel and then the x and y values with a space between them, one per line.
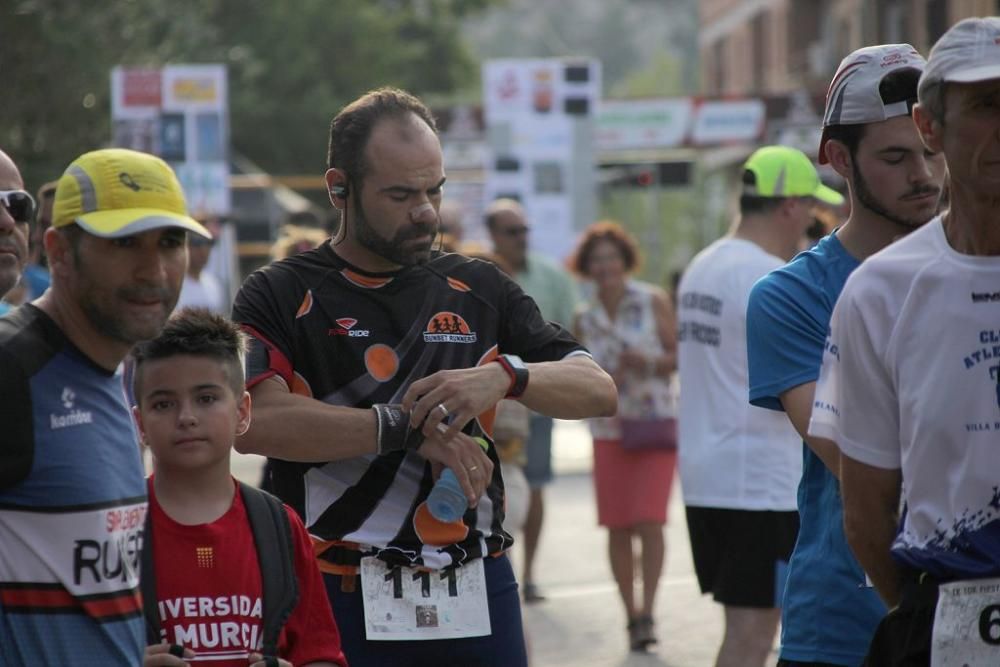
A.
pixel 19 204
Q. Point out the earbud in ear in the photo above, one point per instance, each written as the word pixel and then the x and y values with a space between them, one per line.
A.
pixel 339 191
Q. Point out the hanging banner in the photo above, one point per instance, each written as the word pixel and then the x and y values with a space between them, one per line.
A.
pixel 728 122
pixel 643 124
pixel 538 115
pixel 181 113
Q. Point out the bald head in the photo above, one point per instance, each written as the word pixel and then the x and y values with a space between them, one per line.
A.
pixel 451 220
pixel 503 205
pixel 13 233
pixel 509 229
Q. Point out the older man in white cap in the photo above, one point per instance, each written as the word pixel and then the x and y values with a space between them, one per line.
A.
pixel 72 493
pixel 910 385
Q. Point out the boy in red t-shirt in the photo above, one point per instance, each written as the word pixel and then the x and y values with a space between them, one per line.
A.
pixel 192 404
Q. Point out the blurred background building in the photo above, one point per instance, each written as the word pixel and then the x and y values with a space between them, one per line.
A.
pixel 784 53
pixel 760 47
pixel 688 89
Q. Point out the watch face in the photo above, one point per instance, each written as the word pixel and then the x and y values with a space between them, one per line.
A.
pixel 518 372
pixel 515 362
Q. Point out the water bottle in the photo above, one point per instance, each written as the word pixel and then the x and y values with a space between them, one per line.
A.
pixel 447 502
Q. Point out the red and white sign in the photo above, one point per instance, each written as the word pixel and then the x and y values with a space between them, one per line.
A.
pixel 141 88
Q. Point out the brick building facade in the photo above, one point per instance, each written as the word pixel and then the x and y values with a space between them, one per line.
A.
pixel 758 47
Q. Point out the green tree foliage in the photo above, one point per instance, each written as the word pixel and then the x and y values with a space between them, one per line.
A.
pixel 662 77
pixel 55 60
pixel 627 36
pixel 292 65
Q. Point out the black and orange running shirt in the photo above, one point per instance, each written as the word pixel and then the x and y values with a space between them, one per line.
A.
pixel 350 338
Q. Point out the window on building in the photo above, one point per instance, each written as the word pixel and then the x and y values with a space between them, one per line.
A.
pixel 758 63
pixel 892 24
pixel 937 19
pixel 869 23
pixel 719 67
pixel 842 37
pixel 803 32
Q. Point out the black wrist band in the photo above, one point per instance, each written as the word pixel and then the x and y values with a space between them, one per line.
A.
pixel 393 432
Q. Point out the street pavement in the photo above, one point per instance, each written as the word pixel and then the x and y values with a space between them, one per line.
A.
pixel 582 623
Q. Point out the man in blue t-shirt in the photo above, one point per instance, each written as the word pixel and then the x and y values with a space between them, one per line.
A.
pixel 72 493
pixel 829 612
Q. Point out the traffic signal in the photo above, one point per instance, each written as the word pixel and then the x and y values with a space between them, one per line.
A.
pixel 643 178
pixel 647 174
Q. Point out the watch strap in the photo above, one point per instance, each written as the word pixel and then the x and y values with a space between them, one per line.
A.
pixel 517 373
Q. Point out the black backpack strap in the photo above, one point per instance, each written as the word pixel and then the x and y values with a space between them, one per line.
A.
pixel 272 534
pixel 147 582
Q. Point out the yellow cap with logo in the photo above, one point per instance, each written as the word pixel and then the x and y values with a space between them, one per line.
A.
pixel 781 171
pixel 116 192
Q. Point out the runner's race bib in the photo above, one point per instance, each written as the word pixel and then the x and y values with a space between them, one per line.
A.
pixel 967 624
pixel 404 603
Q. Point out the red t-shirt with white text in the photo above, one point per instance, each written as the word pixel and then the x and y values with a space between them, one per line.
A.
pixel 209 591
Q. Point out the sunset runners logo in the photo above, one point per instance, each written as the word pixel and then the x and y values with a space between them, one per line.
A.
pixel 448 327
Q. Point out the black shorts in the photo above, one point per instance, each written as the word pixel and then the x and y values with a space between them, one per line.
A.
pixel 741 556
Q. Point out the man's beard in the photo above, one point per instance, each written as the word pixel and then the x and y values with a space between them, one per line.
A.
pixel 101 309
pixel 393 249
pixel 103 306
pixel 867 199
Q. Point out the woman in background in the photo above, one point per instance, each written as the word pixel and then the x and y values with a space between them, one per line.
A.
pixel 628 327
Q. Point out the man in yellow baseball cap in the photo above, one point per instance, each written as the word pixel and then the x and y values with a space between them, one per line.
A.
pixel 72 494
pixel 117 192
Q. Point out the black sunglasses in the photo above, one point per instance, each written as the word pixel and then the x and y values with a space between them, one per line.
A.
pixel 19 204
pixel 515 231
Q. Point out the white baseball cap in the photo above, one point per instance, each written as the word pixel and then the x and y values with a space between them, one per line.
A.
pixel 853 97
pixel 968 52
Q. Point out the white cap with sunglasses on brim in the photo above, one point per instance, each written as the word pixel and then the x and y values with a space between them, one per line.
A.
pixel 853 97
pixel 116 192
pixel 967 53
